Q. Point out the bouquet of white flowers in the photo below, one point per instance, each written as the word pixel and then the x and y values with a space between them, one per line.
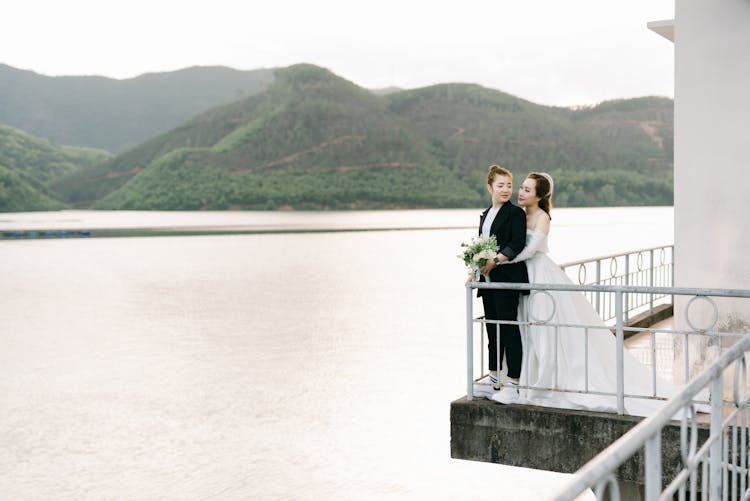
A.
pixel 476 253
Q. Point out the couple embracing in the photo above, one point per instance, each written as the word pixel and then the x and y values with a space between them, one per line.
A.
pixel 509 223
pixel 555 363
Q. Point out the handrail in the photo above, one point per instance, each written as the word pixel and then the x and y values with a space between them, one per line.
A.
pixel 611 256
pixel 635 439
pixel 619 292
pixel 651 266
pixel 711 461
pixel 683 291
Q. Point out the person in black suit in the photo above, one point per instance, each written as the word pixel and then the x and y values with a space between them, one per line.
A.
pixel 508 223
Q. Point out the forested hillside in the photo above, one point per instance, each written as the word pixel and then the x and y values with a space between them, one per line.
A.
pixel 313 140
pixel 28 165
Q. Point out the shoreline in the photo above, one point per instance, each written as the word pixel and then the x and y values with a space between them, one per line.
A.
pixel 22 235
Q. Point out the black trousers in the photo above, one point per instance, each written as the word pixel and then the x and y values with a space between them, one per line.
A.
pixel 503 305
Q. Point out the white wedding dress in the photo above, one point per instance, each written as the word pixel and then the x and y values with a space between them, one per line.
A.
pixel 544 369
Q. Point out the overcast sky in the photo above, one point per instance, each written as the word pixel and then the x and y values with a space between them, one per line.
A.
pixel 547 51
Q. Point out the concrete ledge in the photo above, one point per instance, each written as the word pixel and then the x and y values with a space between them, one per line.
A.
pixel 551 439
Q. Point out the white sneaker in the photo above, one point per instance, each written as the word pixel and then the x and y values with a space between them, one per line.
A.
pixel 483 391
pixel 484 388
pixel 508 395
pixel 491 381
pixel 497 381
pixel 502 379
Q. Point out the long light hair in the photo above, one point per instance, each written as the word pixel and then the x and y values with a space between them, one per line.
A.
pixel 543 189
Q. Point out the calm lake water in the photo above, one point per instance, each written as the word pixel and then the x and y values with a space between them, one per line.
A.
pixel 311 366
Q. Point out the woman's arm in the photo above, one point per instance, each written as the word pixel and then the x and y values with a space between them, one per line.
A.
pixel 532 245
pixel 517 235
pixel 541 227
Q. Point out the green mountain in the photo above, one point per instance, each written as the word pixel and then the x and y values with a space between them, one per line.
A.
pixel 117 114
pixel 311 139
pixel 626 141
pixel 314 140
pixel 28 165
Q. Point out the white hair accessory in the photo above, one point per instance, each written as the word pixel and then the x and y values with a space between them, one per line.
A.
pixel 551 182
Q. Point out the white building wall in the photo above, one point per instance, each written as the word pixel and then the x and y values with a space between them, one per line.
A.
pixel 712 159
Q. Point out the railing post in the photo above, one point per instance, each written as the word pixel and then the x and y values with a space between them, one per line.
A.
pixel 715 466
pixel 627 282
pixel 598 282
pixel 653 468
pixel 620 347
pixel 469 344
pixel 672 280
pixel 651 281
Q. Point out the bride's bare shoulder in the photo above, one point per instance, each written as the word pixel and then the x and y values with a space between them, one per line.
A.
pixel 542 222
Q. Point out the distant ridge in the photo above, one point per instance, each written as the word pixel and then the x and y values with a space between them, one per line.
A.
pixel 386 90
pixel 116 114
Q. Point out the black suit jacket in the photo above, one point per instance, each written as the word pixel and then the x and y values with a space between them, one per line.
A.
pixel 509 227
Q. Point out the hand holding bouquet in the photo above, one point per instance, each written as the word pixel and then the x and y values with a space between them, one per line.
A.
pixel 478 252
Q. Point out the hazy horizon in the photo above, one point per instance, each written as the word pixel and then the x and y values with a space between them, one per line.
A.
pixel 543 51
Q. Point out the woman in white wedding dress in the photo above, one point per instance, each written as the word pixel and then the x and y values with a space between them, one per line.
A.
pixel 585 365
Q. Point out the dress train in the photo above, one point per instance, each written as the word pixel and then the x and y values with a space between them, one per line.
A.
pixel 572 357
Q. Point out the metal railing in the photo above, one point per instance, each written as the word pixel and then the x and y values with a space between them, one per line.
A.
pixel 720 463
pixel 620 292
pixel 651 267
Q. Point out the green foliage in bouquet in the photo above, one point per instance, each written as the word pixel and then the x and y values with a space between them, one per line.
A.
pixel 476 253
